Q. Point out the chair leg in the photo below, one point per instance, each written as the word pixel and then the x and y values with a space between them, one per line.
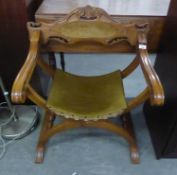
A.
pixel 49 130
pixel 126 131
pixel 51 120
pixel 62 61
pixel 52 60
pixel 128 125
pixel 47 124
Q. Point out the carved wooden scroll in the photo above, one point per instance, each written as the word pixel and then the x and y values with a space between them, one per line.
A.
pixel 89 24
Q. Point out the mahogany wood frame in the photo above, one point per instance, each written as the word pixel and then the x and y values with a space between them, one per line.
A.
pixel 42 35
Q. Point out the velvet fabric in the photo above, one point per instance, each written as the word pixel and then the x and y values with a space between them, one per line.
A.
pixel 87 98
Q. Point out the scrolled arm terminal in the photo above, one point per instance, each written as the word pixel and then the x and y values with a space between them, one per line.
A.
pixel 19 88
pixel 156 90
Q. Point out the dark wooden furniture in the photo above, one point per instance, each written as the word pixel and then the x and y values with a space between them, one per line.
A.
pixel 52 10
pixel 13 35
pixel 162 121
pixel 87 101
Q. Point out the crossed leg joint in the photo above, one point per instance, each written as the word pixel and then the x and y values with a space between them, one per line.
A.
pixel 48 130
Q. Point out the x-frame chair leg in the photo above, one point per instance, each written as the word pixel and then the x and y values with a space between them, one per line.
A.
pixel 48 130
pixel 128 125
pixel 47 124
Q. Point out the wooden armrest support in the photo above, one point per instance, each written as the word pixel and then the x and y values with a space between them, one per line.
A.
pixel 152 79
pixel 19 93
pixel 130 68
pixel 35 97
pixel 139 99
pixel 45 67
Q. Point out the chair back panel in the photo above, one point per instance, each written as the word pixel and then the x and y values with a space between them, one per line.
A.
pixel 87 26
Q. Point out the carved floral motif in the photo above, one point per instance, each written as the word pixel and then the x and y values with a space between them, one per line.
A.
pixel 90 24
pixel 88 13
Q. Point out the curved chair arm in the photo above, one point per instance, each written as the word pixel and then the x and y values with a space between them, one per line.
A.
pixel 152 79
pixel 19 88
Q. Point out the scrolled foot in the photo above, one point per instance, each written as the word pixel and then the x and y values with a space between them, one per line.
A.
pixel 134 155
pixel 39 155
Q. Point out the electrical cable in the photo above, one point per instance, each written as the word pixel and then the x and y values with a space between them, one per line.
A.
pixel 4 144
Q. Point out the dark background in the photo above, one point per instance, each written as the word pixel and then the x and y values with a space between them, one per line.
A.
pixel 13 36
pixel 162 121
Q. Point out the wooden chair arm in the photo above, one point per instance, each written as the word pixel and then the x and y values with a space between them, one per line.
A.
pixel 152 79
pixel 19 93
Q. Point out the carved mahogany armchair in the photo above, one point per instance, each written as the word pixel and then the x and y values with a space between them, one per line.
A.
pixel 80 100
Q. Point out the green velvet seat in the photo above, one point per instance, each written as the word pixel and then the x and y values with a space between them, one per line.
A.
pixel 87 98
